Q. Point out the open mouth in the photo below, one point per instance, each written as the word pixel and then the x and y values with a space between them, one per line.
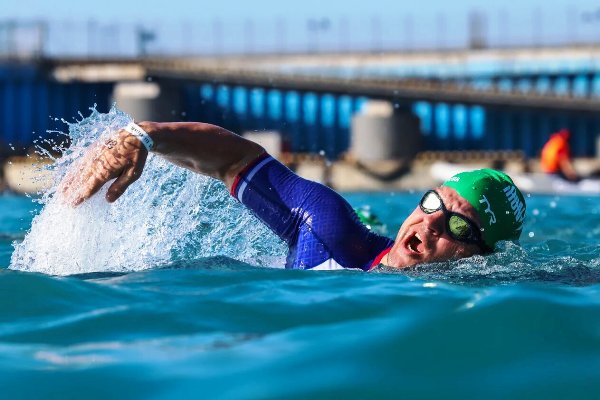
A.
pixel 415 244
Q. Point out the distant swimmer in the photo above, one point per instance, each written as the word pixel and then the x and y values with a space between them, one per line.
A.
pixel 556 156
pixel 466 215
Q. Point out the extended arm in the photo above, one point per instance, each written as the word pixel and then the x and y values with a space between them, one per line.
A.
pixel 203 148
pixel 200 147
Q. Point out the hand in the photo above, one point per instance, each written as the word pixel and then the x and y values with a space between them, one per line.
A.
pixel 122 156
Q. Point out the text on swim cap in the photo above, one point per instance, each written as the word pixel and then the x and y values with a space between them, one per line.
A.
pixel 488 209
pixel 516 204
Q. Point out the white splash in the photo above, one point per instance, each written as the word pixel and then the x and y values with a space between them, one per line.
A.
pixel 168 215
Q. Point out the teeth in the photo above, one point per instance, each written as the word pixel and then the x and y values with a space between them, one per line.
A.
pixel 418 237
pixel 410 247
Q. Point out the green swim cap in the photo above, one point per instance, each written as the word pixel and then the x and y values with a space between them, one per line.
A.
pixel 498 202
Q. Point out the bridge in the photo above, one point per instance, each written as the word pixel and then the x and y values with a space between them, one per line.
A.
pixel 473 100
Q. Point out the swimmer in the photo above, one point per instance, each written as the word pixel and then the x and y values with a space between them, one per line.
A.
pixel 556 156
pixel 466 215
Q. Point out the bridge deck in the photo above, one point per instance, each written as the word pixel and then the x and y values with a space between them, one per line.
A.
pixel 386 88
pixel 446 76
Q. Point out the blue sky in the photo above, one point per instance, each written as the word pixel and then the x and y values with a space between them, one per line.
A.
pixel 270 24
pixel 180 9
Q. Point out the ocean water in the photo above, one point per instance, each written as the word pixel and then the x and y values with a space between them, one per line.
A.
pixel 175 290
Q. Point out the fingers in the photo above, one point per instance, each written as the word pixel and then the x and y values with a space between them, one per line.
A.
pixel 121 156
pixel 96 169
pixel 78 172
pixel 131 173
pixel 90 183
pixel 90 188
pixel 65 185
pixel 118 187
pixel 76 180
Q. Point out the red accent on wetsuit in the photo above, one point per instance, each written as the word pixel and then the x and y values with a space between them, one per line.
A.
pixel 245 170
pixel 380 257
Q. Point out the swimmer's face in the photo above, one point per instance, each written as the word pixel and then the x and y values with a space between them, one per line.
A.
pixel 422 238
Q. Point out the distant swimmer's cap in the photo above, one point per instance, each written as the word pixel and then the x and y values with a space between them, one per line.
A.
pixel 366 216
pixel 498 202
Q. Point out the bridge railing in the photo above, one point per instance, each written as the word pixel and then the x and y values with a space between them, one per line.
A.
pixel 379 32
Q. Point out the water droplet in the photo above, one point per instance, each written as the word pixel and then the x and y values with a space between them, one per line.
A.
pixel 536 212
pixel 531 234
pixel 552 204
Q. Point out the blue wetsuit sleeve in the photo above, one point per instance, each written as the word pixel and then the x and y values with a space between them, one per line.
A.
pixel 259 187
pixel 319 226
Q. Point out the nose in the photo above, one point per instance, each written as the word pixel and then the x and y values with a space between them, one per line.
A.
pixel 435 222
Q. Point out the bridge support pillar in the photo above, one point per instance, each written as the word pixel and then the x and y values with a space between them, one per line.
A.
pixel 149 101
pixel 380 132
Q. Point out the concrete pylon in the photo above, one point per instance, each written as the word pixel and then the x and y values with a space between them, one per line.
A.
pixel 149 101
pixel 381 132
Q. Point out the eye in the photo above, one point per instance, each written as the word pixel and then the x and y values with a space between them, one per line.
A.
pixel 431 202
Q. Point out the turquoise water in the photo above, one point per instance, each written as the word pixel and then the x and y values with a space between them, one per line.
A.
pixel 176 291
pixel 518 324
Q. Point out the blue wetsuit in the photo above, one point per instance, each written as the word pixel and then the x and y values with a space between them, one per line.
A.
pixel 321 229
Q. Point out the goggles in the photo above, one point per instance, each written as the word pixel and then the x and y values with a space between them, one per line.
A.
pixel 458 226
